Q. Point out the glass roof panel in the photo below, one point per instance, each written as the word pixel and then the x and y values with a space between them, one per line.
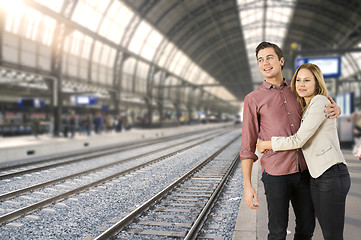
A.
pixel 54 5
pixel 124 16
pixel 87 46
pixel 111 22
pixel 139 37
pixel 151 45
pixel 177 62
pixel 108 58
pixel 28 23
pixel 47 30
pixel 250 11
pixel 129 66
pixel 190 73
pixel 73 42
pixel 221 93
pixel 115 21
pixel 202 78
pixel 13 21
pixel 164 56
pixel 89 13
pixel 103 54
pixel 263 21
pixel 97 51
pixel 142 70
pixel 183 65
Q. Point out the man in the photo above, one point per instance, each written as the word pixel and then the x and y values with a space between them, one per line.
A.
pixel 272 110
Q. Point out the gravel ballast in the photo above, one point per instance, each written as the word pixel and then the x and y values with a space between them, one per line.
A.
pixel 85 214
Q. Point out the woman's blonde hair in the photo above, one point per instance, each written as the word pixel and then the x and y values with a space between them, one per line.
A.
pixel 321 88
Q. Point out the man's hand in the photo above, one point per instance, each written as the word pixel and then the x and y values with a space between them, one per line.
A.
pixel 249 195
pixel 333 110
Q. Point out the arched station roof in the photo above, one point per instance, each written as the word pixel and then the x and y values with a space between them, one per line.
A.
pixel 176 51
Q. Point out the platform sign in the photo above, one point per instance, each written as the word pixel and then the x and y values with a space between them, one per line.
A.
pixel 82 100
pixel 85 100
pixel 31 103
pixel 105 107
pixel 330 66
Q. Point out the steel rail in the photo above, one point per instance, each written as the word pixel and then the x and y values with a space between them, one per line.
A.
pixel 18 192
pixel 107 151
pixel 25 210
pixel 202 217
pixel 117 227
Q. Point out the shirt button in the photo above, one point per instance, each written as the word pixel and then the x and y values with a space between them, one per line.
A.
pixel 292 125
pixel 285 101
pixel 288 113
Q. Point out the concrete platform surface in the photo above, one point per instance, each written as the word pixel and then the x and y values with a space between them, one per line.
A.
pixel 15 150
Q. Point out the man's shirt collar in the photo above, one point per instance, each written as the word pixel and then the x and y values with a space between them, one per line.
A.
pixel 269 85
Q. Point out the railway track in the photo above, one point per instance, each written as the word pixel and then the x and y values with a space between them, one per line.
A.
pixel 38 204
pixel 18 192
pixel 180 209
pixel 26 168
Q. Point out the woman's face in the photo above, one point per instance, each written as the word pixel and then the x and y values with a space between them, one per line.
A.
pixel 305 84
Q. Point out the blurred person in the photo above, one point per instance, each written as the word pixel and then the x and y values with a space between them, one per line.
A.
pixel 88 124
pixel 357 134
pixel 118 123
pixel 98 123
pixel 81 124
pixel 65 123
pixel 109 123
pixel 317 136
pixel 72 124
pixel 270 110
pixel 357 124
pixel 51 126
pixel 126 124
pixel 35 127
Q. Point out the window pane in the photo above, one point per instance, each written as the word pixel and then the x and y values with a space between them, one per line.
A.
pixel 165 54
pixel 129 66
pixel 97 51
pixel 103 54
pixel 115 21
pixel 89 13
pixel 29 23
pixel 151 45
pixel 251 14
pixel 54 5
pixel 87 45
pixel 142 70
pixel 139 37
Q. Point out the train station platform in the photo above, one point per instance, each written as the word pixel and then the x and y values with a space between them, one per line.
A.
pixel 23 149
pixel 252 224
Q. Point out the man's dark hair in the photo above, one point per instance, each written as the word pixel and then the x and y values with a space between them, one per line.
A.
pixel 264 45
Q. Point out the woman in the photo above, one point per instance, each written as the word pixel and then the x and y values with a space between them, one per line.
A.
pixel 317 136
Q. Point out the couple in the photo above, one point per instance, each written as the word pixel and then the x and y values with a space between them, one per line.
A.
pixel 290 116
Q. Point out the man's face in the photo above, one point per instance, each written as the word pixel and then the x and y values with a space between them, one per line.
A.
pixel 268 63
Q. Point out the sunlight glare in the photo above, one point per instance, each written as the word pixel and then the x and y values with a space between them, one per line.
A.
pixel 13 6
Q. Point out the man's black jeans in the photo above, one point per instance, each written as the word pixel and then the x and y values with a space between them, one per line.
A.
pixel 280 190
pixel 329 196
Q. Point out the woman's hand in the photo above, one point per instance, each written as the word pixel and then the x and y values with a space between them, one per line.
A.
pixel 333 110
pixel 262 146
